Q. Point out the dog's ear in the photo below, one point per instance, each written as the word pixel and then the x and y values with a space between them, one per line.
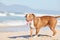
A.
pixel 26 15
pixel 33 15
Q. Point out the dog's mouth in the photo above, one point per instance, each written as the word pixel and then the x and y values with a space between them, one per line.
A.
pixel 28 20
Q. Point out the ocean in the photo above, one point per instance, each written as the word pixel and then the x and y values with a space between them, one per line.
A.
pixel 15 23
pixel 12 23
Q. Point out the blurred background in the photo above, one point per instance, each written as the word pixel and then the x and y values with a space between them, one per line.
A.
pixel 12 12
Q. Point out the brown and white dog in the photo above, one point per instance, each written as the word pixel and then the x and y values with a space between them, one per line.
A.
pixel 39 22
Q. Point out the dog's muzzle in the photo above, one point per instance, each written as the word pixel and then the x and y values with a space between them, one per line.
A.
pixel 28 22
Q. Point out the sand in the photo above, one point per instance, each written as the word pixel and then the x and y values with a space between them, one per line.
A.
pixel 24 35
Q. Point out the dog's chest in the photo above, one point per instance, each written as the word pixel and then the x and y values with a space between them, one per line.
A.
pixel 32 24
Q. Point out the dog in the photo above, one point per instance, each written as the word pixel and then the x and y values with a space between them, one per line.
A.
pixel 39 22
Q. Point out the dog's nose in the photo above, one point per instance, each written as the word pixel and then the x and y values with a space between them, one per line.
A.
pixel 27 21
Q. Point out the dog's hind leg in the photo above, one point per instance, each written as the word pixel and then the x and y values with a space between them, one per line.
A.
pixel 52 27
pixel 53 30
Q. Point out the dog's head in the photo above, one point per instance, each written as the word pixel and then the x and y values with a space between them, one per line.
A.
pixel 29 17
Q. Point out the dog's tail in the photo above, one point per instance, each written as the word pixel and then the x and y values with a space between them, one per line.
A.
pixel 57 17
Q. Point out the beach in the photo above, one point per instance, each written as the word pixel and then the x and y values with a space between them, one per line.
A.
pixel 16 29
pixel 18 16
pixel 25 35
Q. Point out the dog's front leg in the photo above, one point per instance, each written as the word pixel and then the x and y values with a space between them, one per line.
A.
pixel 31 30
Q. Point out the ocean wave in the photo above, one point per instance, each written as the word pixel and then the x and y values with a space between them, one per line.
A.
pixel 3 14
pixel 11 14
pixel 12 23
pixel 16 23
pixel 22 15
pixel 14 14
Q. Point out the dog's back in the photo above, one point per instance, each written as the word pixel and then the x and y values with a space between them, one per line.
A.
pixel 47 20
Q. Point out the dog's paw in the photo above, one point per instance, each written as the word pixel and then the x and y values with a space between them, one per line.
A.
pixel 35 36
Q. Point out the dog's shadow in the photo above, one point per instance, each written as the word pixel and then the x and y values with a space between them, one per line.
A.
pixel 27 36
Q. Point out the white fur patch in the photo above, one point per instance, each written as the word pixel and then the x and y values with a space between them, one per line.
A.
pixel 35 36
pixel 32 24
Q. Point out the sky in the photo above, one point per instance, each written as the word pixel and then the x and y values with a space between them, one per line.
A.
pixel 35 4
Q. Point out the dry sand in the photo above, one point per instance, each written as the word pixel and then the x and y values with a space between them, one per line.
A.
pixel 44 35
